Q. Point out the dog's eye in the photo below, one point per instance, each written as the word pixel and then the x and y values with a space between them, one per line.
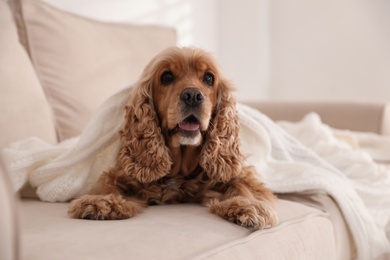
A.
pixel 208 79
pixel 167 78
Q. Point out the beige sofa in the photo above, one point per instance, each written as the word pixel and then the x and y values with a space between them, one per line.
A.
pixel 55 70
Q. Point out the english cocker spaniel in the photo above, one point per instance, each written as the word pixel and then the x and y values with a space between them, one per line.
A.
pixel 180 144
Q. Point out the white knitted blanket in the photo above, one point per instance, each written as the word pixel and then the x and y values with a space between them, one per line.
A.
pixel 333 164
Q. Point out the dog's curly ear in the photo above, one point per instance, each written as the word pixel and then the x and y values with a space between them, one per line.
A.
pixel 221 155
pixel 143 153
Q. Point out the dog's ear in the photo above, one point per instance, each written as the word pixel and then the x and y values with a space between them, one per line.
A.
pixel 221 155
pixel 143 153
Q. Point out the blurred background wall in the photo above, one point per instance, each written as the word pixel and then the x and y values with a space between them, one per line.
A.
pixel 275 49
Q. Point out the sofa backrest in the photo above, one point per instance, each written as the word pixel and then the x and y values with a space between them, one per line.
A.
pixel 351 115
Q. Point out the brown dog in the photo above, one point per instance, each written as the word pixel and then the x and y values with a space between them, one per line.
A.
pixel 180 144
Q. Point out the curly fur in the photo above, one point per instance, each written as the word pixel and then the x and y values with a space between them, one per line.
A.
pixel 143 153
pixel 161 161
pixel 221 156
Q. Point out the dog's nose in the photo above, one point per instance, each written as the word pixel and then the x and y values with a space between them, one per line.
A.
pixel 192 96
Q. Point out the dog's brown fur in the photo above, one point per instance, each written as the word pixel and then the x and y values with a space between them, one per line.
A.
pixel 160 163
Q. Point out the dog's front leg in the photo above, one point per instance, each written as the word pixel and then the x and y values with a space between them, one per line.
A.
pixel 108 199
pixel 245 201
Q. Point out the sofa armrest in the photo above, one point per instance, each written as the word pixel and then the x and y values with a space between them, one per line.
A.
pixel 9 236
pixel 352 115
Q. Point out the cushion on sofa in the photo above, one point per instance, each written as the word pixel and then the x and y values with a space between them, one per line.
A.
pixel 81 62
pixel 24 109
pixel 181 231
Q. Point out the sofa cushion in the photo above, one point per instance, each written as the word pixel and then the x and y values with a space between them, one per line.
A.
pixel 24 109
pixel 81 62
pixel 182 231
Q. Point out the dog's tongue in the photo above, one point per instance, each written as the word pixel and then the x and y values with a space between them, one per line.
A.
pixel 189 126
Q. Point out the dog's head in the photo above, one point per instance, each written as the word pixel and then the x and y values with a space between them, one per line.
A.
pixel 181 99
pixel 185 91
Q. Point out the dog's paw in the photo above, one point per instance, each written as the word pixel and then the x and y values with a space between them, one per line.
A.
pixel 102 207
pixel 245 212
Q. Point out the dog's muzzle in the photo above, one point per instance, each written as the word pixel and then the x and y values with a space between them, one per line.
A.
pixel 189 127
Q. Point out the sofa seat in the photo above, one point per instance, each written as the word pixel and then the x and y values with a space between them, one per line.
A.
pixel 181 231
